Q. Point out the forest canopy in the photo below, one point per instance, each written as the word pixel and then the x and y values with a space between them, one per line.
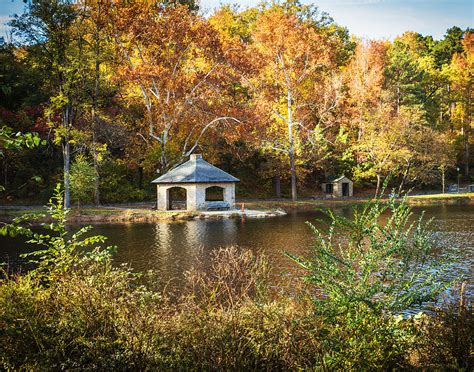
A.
pixel 273 92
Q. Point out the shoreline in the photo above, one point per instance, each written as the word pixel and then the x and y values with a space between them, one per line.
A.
pixel 134 215
pixel 307 204
pixel 253 209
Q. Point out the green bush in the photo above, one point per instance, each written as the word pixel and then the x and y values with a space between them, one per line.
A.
pixel 380 258
pixel 82 180
pixel 365 271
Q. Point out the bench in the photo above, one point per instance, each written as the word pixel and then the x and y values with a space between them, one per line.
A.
pixel 453 188
pixel 178 205
pixel 218 206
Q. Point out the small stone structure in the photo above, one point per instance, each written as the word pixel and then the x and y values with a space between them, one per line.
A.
pixel 195 185
pixel 338 187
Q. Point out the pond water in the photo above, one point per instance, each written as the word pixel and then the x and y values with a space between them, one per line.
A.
pixel 171 248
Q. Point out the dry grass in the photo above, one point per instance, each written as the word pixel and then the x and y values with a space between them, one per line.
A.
pixel 228 318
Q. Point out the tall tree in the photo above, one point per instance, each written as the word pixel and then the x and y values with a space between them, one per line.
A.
pixel 95 55
pixel 296 88
pixel 46 28
pixel 461 75
pixel 172 64
pixel 451 44
pixel 364 79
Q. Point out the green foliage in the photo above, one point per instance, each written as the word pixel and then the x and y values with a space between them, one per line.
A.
pixel 60 250
pixel 20 80
pixel 365 271
pixel 382 261
pixel 117 184
pixel 47 23
pixel 17 141
pixel 82 179
pixel 361 340
pixel 444 49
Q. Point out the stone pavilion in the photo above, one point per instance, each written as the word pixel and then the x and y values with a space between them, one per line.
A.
pixel 195 185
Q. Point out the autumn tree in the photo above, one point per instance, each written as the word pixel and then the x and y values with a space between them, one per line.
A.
pixel 364 79
pixel 46 28
pixel 95 56
pixel 394 103
pixel 294 81
pixel 423 150
pixel 461 75
pixel 172 65
pixel 275 90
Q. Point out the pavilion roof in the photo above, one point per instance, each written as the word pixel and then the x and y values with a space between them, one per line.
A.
pixel 335 179
pixel 196 170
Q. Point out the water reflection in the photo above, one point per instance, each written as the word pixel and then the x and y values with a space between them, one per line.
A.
pixel 173 248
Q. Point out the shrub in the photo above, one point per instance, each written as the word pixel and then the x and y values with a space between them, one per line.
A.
pixel 365 271
pixel 446 338
pixel 61 250
pixel 82 180
pixel 100 317
pixel 382 260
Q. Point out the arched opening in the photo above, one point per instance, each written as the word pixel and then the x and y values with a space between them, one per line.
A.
pixel 215 193
pixel 177 198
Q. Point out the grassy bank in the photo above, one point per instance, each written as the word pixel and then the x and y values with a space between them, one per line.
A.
pixel 104 215
pixel 433 199
pixel 288 205
pixel 310 204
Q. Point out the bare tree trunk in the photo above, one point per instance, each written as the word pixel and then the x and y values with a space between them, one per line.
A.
pixel 164 160
pixel 294 196
pixel 95 97
pixel 466 150
pixel 291 150
pixel 96 170
pixel 404 178
pixel 140 177
pixel 398 99
pixel 94 141
pixel 443 179
pixel 379 178
pixel 400 187
pixel 5 172
pixel 66 157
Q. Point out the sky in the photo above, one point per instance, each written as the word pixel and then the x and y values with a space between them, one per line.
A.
pixel 372 19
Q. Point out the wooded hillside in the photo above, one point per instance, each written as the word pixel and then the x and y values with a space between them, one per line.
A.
pixel 119 90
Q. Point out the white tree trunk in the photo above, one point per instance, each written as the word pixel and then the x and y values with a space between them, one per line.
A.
pixel 291 150
pixel 66 167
